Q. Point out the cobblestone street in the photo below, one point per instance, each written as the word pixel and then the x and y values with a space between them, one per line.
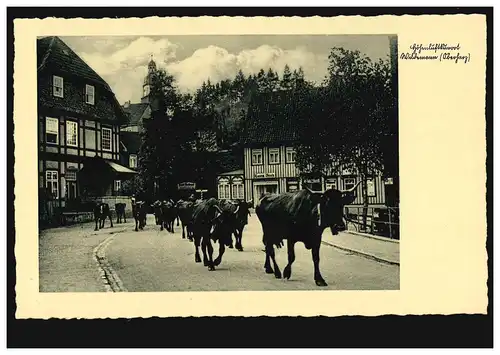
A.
pixel 155 261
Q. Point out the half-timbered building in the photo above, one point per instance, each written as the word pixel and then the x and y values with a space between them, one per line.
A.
pixel 79 122
pixel 270 157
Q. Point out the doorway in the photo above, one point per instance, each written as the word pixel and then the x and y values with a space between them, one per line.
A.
pixel 261 188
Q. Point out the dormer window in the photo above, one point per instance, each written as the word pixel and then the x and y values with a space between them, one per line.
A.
pixel 57 86
pixel 89 94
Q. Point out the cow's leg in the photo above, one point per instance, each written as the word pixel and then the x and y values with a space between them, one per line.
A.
pixel 238 236
pixel 161 225
pixel 270 252
pixel 136 220
pixel 197 250
pixel 96 223
pixel 173 231
pixel 230 246
pixel 291 258
pixel 124 219
pixel 267 263
pixel 204 250
pixel 177 221
pixel 110 220
pixel 222 249
pixel 183 234
pixel 210 250
pixel 315 256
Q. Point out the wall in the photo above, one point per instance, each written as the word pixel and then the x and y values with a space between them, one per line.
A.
pixel 283 172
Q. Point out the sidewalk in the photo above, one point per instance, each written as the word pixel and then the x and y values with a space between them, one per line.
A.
pixel 66 260
pixel 378 249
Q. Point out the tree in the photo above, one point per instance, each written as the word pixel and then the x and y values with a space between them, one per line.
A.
pixel 272 80
pixel 286 80
pixel 165 138
pixel 348 118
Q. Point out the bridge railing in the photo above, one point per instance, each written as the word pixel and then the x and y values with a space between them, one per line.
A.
pixel 380 220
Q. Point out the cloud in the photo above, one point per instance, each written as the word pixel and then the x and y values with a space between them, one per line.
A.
pixel 216 64
pixel 124 70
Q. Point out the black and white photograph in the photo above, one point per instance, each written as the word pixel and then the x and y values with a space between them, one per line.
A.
pixel 218 163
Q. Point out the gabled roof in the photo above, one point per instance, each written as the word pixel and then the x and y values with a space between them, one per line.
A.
pixel 228 160
pixel 56 58
pixel 135 112
pixel 131 141
pixel 270 119
pixel 52 51
pixel 234 172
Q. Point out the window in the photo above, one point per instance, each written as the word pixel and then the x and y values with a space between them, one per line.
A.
pixel 292 185
pixel 52 182
pixel 257 157
pixel 132 161
pixel 349 183
pixel 370 184
pixel 72 133
pixel 224 192
pixel 51 130
pixel 146 91
pixel 89 94
pixel 274 156
pixel 118 185
pixel 290 155
pixel 106 139
pixel 331 184
pixel 57 86
pixel 70 175
pixel 238 191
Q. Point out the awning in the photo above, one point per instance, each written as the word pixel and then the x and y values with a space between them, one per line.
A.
pixel 120 168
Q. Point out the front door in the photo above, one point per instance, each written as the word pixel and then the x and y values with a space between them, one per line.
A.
pixel 261 189
pixel 71 190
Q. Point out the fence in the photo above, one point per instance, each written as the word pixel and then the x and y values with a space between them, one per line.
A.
pixel 381 221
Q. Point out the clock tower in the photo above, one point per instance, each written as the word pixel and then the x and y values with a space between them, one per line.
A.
pixel 146 87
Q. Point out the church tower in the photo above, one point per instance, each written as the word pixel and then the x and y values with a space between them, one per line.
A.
pixel 148 80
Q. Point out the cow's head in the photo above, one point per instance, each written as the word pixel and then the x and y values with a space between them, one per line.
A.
pixel 223 223
pixel 331 205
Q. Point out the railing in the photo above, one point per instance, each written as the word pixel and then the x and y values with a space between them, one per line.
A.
pixel 382 221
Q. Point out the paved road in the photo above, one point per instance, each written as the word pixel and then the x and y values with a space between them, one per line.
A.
pixel 151 260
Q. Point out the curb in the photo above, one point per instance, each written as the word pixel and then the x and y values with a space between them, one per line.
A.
pixel 111 280
pixel 364 254
pixel 366 235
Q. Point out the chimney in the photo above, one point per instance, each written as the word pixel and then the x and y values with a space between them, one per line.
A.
pixel 126 104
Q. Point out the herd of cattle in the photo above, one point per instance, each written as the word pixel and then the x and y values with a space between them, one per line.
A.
pixel 299 216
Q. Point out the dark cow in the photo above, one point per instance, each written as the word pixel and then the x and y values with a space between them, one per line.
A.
pixel 168 215
pixel 101 212
pixel 300 216
pixel 120 212
pixel 139 210
pixel 157 210
pixel 242 211
pixel 210 222
pixel 184 213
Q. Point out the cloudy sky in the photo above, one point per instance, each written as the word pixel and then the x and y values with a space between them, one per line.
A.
pixel 122 61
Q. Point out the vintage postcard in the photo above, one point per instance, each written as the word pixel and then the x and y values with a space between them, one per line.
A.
pixel 250 166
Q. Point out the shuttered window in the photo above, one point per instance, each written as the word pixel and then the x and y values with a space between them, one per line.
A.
pixel 274 156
